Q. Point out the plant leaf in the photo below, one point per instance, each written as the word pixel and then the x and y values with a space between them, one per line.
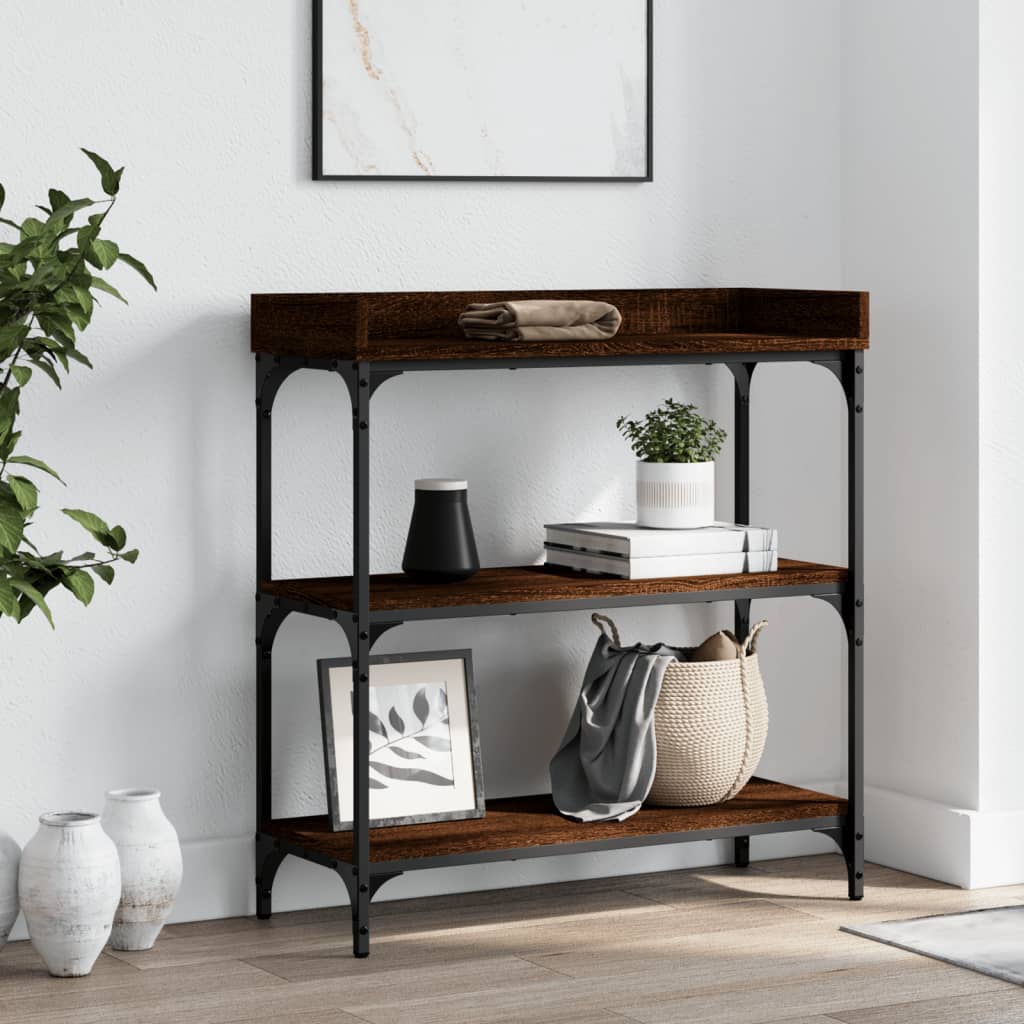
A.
pixel 22 374
pixel 105 573
pixel 109 178
pixel 396 720
pixel 105 286
pixel 26 493
pixel 435 743
pixel 34 596
pixel 130 556
pixel 139 267
pixel 12 526
pixel 27 460
pixel 409 755
pixel 376 725
pixel 394 771
pixel 89 520
pixel 102 253
pixel 45 366
pixel 420 705
pixel 8 600
pixel 377 784
pixel 80 583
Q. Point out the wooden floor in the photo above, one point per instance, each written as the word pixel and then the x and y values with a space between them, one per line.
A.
pixel 713 945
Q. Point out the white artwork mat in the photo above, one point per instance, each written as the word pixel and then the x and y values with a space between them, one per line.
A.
pixel 484 88
pixel 421 741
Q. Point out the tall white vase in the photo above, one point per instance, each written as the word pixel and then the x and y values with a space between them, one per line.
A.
pixel 10 855
pixel 69 885
pixel 150 865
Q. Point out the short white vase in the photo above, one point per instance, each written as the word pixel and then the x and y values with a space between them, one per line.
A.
pixel 675 495
pixel 150 854
pixel 69 885
pixel 10 855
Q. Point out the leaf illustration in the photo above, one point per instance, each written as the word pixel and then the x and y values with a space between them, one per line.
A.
pixel 435 743
pixel 421 705
pixel 377 784
pixel 409 755
pixel 411 774
pixel 396 720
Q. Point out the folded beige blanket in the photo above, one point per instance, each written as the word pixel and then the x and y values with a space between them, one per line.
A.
pixel 540 320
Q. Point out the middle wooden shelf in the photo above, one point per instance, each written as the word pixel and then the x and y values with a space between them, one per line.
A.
pixel 539 588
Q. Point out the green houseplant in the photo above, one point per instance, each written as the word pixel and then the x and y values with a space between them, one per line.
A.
pixel 50 283
pixel 675 474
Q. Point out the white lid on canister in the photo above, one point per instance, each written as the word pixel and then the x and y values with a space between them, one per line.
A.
pixel 441 484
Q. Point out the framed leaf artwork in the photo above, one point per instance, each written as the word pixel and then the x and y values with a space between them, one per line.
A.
pixel 424 743
pixel 510 90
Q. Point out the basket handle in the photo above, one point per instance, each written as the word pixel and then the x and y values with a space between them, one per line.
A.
pixel 750 644
pixel 600 620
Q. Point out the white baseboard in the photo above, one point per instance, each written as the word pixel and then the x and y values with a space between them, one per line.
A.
pixel 918 836
pixel 971 849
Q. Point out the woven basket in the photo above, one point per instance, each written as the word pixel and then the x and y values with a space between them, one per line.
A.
pixel 711 722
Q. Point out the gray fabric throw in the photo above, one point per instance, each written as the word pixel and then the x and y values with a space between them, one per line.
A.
pixel 540 320
pixel 605 765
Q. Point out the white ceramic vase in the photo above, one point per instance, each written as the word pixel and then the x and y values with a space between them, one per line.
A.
pixel 675 495
pixel 10 855
pixel 150 865
pixel 69 885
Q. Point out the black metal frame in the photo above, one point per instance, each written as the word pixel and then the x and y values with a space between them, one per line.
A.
pixel 363 627
pixel 318 110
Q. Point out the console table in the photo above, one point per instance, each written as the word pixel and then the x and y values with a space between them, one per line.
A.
pixel 368 338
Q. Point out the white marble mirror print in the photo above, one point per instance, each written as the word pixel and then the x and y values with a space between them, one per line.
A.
pixel 482 89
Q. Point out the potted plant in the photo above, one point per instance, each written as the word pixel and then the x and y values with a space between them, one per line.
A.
pixel 675 477
pixel 50 267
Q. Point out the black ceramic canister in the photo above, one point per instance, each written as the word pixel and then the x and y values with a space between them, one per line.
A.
pixel 440 547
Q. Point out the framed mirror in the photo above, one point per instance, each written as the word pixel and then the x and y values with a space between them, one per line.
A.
pixel 520 90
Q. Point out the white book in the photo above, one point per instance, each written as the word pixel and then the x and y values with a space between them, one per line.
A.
pixel 654 567
pixel 632 541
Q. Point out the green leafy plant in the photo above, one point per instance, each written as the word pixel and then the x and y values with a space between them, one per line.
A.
pixel 49 287
pixel 673 433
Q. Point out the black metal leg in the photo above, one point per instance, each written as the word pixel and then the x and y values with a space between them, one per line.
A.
pixel 853 385
pixel 361 659
pixel 741 510
pixel 268 860
pixel 741 851
pixel 270 375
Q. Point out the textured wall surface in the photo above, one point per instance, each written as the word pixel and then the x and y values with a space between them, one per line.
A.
pixel 207 105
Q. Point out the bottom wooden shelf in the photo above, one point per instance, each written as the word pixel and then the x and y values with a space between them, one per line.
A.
pixel 530 826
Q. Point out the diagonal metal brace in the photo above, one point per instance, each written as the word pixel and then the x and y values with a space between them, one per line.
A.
pixel 837 835
pixel 742 372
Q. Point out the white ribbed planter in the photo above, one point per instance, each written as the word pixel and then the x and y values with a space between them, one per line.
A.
pixel 150 854
pixel 69 885
pixel 10 855
pixel 675 495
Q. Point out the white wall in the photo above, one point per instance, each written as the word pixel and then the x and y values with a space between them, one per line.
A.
pixel 207 105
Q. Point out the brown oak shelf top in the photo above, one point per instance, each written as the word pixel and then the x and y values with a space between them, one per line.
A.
pixel 420 327
pixel 524 823
pixel 527 585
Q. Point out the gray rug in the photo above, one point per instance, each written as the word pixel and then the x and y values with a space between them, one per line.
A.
pixel 988 941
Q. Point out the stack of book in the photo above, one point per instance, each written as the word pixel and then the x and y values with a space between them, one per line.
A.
pixel 634 552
